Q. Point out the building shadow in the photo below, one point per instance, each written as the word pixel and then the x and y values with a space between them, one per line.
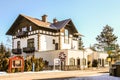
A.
pixel 61 78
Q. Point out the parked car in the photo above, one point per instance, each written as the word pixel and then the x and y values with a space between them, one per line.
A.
pixel 114 69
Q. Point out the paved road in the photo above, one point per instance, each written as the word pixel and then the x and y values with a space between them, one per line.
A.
pixel 98 74
pixel 105 76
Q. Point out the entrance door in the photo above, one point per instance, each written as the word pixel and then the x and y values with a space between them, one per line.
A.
pixel 78 63
pixel 56 46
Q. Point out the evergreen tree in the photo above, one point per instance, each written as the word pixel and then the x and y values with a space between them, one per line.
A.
pixel 80 46
pixel 4 55
pixel 4 51
pixel 106 38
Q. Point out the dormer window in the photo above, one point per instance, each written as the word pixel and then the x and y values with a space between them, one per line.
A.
pixel 24 29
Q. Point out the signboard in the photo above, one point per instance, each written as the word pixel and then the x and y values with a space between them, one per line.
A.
pixel 56 61
pixel 16 63
pixel 109 48
pixel 62 56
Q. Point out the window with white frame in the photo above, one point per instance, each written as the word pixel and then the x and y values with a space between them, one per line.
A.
pixel 18 30
pixel 30 28
pixel 24 29
pixel 66 36
pixel 18 44
pixel 30 42
pixel 72 61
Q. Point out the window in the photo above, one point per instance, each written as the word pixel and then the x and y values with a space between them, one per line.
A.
pixel 84 61
pixel 24 29
pixel 99 61
pixel 18 30
pixel 30 28
pixel 66 36
pixel 72 61
pixel 53 41
pixel 78 61
pixel 56 46
pixel 106 62
pixel 18 44
pixel 30 43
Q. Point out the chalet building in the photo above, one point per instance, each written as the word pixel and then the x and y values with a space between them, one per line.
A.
pixel 32 36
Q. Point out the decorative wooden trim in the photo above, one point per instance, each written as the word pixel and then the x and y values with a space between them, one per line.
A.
pixel 12 43
pixel 59 41
pixel 39 32
pixel 38 41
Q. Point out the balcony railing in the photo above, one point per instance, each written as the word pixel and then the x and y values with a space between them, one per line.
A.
pixel 16 51
pixel 29 49
pixel 22 34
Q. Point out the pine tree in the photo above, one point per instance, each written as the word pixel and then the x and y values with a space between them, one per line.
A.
pixel 106 38
pixel 80 46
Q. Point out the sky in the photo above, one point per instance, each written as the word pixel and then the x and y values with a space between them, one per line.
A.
pixel 89 16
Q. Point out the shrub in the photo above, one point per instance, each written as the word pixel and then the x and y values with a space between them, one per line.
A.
pixel 27 65
pixel 39 64
pixel 4 62
pixel 95 63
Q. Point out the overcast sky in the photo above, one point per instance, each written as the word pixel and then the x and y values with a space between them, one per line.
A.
pixel 89 16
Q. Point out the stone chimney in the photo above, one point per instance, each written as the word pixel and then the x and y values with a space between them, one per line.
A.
pixel 44 18
pixel 55 20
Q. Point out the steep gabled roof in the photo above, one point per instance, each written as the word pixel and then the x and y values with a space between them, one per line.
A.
pixel 36 21
pixel 54 26
pixel 61 24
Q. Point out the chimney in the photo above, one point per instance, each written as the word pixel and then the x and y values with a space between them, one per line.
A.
pixel 55 20
pixel 44 18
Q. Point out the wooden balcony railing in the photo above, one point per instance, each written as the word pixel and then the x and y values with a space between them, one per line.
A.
pixel 22 34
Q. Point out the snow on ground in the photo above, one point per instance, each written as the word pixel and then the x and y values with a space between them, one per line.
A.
pixel 2 73
pixel 100 77
pixel 45 71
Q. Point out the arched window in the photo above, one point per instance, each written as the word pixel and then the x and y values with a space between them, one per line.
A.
pixel 72 61
pixel 99 61
pixel 84 61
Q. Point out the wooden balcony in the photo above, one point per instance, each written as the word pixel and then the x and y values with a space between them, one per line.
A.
pixel 29 49
pixel 22 34
pixel 16 51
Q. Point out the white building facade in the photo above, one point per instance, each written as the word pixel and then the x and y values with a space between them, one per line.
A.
pixel 31 36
